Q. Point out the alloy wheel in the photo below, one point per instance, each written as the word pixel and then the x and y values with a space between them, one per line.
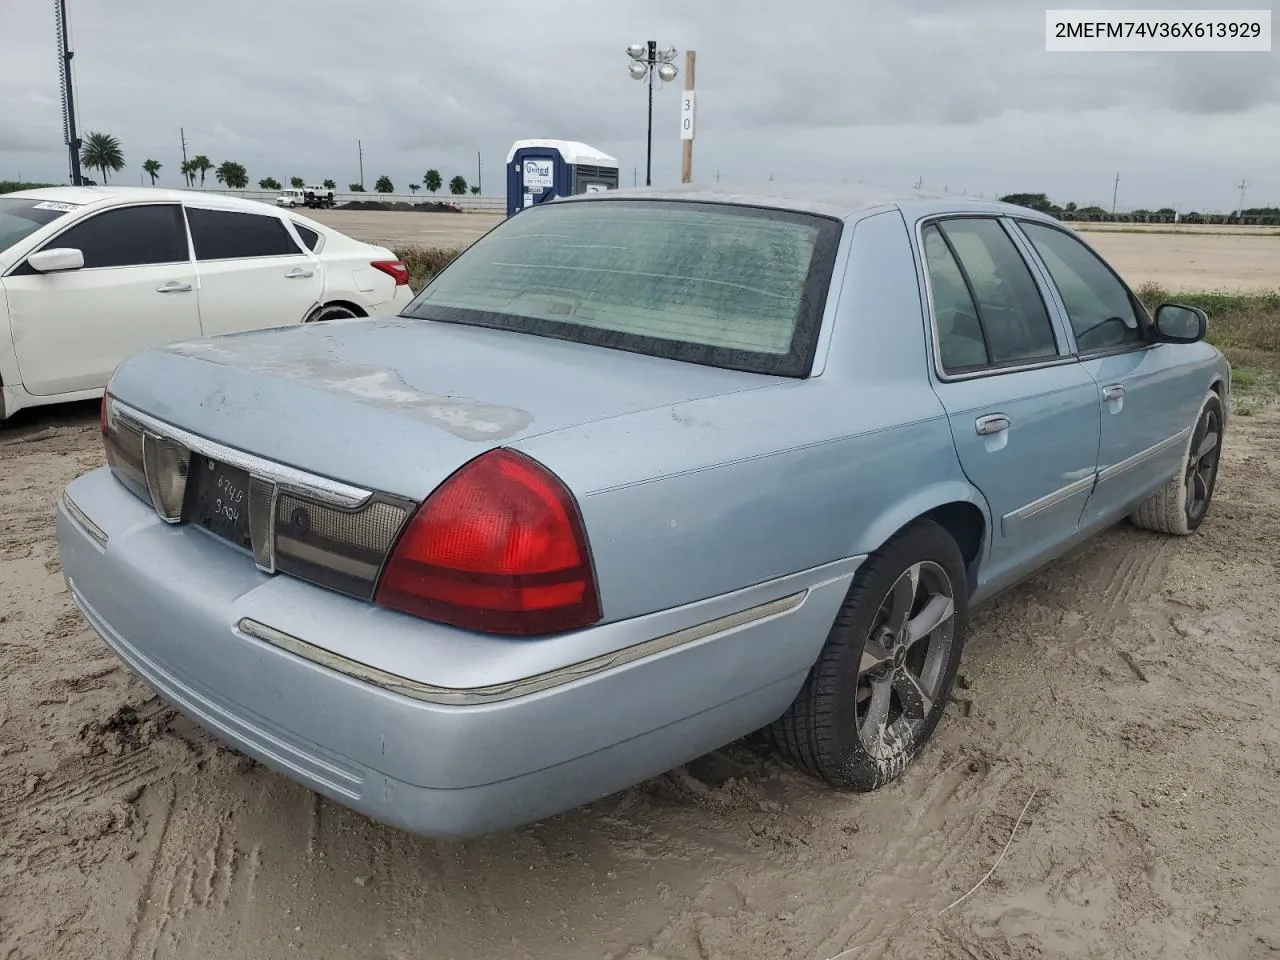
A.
pixel 904 658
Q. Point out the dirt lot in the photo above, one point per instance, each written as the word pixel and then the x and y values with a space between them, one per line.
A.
pixel 1130 693
pixel 1239 261
pixel 448 230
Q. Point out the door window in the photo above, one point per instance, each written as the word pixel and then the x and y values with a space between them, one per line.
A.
pixel 987 307
pixel 128 237
pixel 232 235
pixel 1100 308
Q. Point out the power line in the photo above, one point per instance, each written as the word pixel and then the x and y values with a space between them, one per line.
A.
pixel 1115 193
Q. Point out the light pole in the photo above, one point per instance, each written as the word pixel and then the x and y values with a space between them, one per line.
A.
pixel 647 59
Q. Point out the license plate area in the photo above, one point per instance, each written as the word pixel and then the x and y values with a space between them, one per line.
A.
pixel 218 500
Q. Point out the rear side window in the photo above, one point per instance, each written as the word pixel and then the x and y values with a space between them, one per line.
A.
pixel 729 286
pixel 984 297
pixel 128 237
pixel 231 235
pixel 307 235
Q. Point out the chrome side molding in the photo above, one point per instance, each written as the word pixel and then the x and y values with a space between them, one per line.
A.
pixel 496 693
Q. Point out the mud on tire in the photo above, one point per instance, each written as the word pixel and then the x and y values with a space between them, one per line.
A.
pixel 875 694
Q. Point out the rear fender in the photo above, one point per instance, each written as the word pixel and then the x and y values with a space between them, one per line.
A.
pixel 917 504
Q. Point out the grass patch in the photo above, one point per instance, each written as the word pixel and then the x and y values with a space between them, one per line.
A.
pixel 1246 328
pixel 1243 325
pixel 13 186
pixel 424 263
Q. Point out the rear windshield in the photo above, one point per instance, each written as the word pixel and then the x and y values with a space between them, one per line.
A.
pixel 729 286
pixel 20 218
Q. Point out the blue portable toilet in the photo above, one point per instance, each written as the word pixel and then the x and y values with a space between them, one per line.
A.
pixel 540 170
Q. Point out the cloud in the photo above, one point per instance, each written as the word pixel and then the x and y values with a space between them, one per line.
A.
pixel 807 89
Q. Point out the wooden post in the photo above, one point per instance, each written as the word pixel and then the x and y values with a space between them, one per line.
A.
pixel 687 119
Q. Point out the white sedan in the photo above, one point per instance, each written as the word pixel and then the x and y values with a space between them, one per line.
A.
pixel 90 275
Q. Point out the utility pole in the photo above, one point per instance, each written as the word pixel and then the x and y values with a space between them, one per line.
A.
pixel 477 170
pixel 182 135
pixel 1244 182
pixel 635 176
pixel 68 93
pixel 687 119
pixel 1115 193
pixel 360 148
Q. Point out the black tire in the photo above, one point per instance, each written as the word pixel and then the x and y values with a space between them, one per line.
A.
pixel 821 732
pixel 331 311
pixel 1181 505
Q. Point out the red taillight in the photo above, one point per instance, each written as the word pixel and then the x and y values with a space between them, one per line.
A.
pixel 394 269
pixel 499 547
pixel 102 414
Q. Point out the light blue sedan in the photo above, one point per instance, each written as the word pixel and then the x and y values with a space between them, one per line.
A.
pixel 638 474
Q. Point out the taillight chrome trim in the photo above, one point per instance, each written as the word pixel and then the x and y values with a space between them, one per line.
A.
pixel 331 492
pixel 495 693
pixel 165 456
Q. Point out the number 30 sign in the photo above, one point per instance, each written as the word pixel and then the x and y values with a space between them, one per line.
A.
pixel 686 115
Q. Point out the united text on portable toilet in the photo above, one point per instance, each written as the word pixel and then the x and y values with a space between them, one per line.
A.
pixel 540 170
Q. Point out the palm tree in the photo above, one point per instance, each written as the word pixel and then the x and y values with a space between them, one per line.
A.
pixel 269 183
pixel 232 174
pixel 384 185
pixel 102 151
pixel 296 182
pixel 458 186
pixel 201 165
pixel 188 172
pixel 331 185
pixel 355 188
pixel 415 187
pixel 152 169
pixel 433 180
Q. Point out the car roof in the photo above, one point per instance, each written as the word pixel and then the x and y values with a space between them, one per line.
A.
pixel 107 195
pixel 843 201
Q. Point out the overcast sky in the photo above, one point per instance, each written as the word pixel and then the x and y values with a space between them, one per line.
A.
pixel 960 93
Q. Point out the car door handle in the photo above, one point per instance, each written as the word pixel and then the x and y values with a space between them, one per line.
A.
pixel 299 273
pixel 991 424
pixel 174 286
pixel 1113 392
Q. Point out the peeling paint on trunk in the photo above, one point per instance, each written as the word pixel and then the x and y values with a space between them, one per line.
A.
pixel 314 362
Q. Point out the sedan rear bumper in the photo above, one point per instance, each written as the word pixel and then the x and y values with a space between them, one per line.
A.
pixel 266 664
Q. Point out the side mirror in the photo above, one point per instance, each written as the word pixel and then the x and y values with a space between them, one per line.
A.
pixel 56 260
pixel 1178 324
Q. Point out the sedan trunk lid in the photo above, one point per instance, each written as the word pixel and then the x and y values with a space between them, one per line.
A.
pixel 397 404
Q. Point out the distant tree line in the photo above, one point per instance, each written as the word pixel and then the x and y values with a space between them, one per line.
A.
pixel 103 154
pixel 1259 216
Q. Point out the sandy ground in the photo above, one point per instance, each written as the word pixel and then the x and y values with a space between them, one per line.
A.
pixel 1131 688
pixel 1240 261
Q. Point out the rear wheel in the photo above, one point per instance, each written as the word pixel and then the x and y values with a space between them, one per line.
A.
pixel 882 681
pixel 1181 505
pixel 332 311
